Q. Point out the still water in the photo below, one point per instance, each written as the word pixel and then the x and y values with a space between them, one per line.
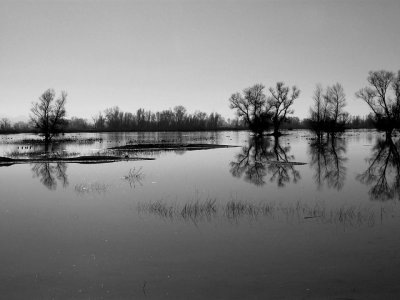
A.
pixel 296 218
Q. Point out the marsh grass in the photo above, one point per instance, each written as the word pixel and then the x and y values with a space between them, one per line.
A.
pixel 158 208
pixel 16 153
pixel 236 210
pixel 345 215
pixel 199 210
pixel 101 156
pixel 58 140
pixel 192 211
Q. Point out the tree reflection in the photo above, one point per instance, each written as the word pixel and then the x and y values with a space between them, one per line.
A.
pixel 383 172
pixel 262 157
pixel 328 161
pixel 50 173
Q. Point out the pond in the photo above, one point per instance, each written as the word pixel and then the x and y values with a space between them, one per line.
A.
pixel 297 218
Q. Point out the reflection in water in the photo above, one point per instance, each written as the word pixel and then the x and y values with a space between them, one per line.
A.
pixel 208 210
pixel 383 173
pixel 328 160
pixel 260 158
pixel 134 177
pixel 49 173
pixel 95 187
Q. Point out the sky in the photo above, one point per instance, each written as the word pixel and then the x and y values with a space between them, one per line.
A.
pixel 159 54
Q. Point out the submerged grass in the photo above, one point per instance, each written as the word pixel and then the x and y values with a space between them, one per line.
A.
pixel 157 208
pixel 199 210
pixel 95 187
pixel 344 215
pixel 193 211
pixel 235 210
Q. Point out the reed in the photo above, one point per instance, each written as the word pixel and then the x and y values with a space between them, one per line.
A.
pixel 208 210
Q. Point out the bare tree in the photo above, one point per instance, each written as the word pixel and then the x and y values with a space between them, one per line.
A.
pixel 327 113
pixel 279 104
pixel 180 113
pixel 383 97
pixel 99 121
pixel 319 110
pixel 336 100
pixel 113 117
pixel 5 124
pixel 48 114
pixel 251 107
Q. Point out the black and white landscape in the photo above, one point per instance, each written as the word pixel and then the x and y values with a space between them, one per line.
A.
pixel 174 149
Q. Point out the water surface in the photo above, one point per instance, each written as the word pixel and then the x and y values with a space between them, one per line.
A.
pixel 297 218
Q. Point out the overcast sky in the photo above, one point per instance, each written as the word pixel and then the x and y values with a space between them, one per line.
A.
pixel 159 54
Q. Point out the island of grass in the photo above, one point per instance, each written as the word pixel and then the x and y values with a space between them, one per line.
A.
pixel 90 159
pixel 168 146
pixel 93 159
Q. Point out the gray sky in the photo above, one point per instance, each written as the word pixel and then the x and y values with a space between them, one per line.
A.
pixel 159 54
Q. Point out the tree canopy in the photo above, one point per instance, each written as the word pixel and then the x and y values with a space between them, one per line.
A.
pixel 251 107
pixel 259 111
pixel 383 97
pixel 48 114
pixel 327 113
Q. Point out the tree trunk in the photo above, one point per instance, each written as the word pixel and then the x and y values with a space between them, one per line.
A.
pixel 47 139
pixel 276 132
pixel 388 133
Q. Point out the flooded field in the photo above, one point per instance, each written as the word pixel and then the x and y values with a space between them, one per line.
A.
pixel 296 218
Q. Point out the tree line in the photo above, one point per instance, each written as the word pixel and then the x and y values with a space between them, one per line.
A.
pixel 257 109
pixel 48 117
pixel 262 111
pixel 114 119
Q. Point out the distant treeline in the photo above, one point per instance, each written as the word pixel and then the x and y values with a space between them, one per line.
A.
pixel 177 119
pixel 256 109
pixel 354 122
pixel 114 119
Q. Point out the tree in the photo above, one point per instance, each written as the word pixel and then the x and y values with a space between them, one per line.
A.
pixel 336 100
pixel 279 104
pixel 113 117
pixel 21 127
pixel 77 124
pixel 48 114
pixel 383 97
pixel 327 113
pixel 318 111
pixel 251 107
pixel 180 114
pixel 99 121
pixel 5 125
